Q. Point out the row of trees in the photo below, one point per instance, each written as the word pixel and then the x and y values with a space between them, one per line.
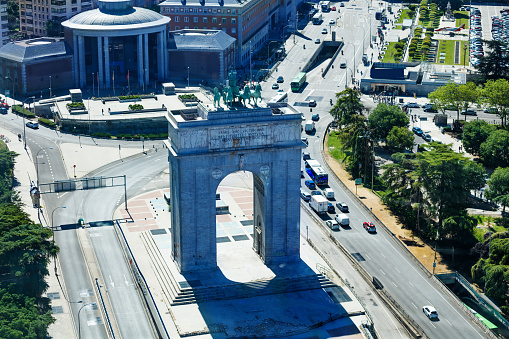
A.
pixel 493 94
pixel 429 190
pixel 485 140
pixel 25 251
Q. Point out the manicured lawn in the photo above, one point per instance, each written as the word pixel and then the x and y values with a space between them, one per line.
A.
pixel 448 46
pixel 390 52
pixel 403 16
pixel 335 146
pixel 461 18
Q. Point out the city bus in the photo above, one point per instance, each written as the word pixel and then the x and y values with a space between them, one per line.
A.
pixel 318 174
pixel 298 82
pixel 279 97
pixel 317 19
pixel 325 6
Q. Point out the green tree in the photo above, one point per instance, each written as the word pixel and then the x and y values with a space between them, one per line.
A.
pixel 53 28
pixel 498 185
pixel 495 150
pixel 461 97
pixel 384 118
pixel 495 64
pixel 13 14
pixel 474 134
pixel 400 139
pixel 348 104
pixel 447 178
pixel 497 278
pixel 495 94
pixel 353 137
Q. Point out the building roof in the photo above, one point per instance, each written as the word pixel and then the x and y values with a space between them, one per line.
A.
pixel 116 15
pixel 199 40
pixel 32 49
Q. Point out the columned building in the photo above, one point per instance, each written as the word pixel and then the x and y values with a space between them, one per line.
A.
pixel 118 43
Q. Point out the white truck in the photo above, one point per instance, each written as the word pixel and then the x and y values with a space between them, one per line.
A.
pixel 310 126
pixel 319 204
pixel 342 219
pixel 329 193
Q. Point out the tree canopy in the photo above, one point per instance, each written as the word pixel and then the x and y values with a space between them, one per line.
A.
pixel 498 185
pixel 495 150
pixel 495 95
pixel 461 97
pixel 475 133
pixel 384 118
pixel 348 104
pixel 495 63
pixel 400 139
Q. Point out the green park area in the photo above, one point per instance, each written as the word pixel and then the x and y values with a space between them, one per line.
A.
pixel 405 14
pixel 393 52
pixel 461 18
pixel 448 47
pixel 429 16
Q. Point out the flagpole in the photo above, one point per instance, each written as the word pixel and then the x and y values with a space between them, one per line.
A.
pixel 98 86
pixel 113 83
pixel 128 83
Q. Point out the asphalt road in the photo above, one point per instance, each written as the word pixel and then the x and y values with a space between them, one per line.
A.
pixel 377 253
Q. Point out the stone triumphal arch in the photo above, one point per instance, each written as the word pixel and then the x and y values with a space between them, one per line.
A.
pixel 205 145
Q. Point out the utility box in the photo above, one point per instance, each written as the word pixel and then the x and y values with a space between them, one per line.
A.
pixel 440 119
pixel 169 88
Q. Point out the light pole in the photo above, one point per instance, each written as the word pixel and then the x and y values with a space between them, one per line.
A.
pixel 37 163
pixel 53 231
pixel 24 125
pixel 79 322
pixel 12 84
pixel 268 54
pixel 50 86
pixel 187 76
pixel 93 84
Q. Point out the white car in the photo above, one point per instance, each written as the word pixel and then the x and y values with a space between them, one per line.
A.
pixel 32 124
pixel 332 22
pixel 332 224
pixel 430 312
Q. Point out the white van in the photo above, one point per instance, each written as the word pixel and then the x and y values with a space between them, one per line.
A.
pixel 310 126
pixel 342 219
pixel 329 193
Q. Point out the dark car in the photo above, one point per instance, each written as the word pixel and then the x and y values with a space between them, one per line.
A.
pixel 417 130
pixel 330 208
pixel 310 184
pixel 342 65
pixel 306 156
pixel 430 109
pixel 280 79
pixel 469 112
pixel 315 117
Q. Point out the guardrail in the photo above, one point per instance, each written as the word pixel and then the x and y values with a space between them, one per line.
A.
pixel 440 284
pixel 104 308
pixel 149 299
pixel 410 325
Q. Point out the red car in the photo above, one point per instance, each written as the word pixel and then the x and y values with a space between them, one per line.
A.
pixel 333 8
pixel 369 226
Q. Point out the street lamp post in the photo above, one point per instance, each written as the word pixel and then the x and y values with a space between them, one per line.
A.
pixel 12 84
pixel 53 231
pixel 187 76
pixel 37 163
pixel 24 125
pixel 79 322
pixel 50 86
pixel 268 54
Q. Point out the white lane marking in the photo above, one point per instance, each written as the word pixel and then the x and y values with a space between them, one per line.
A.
pixel 367 256
pixel 111 282
pixel 397 270
pixel 413 304
pixel 394 283
pixel 448 322
pixel 382 272
pixel 383 255
pixel 411 284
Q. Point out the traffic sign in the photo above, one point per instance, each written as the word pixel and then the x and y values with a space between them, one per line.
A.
pixel 358 181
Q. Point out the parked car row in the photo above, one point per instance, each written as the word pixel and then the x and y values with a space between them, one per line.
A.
pixel 500 27
pixel 476 44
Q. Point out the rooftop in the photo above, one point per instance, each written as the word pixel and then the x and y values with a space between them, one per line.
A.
pixel 199 39
pixel 32 49
pixel 115 15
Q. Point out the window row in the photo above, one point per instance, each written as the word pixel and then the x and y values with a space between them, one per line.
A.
pixel 206 19
pixel 198 10
pixel 232 30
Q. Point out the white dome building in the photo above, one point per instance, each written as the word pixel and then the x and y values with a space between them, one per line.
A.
pixel 118 42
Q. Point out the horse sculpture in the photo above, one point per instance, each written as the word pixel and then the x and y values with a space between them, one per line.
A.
pixel 257 94
pixel 217 97
pixel 246 95
pixel 229 96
